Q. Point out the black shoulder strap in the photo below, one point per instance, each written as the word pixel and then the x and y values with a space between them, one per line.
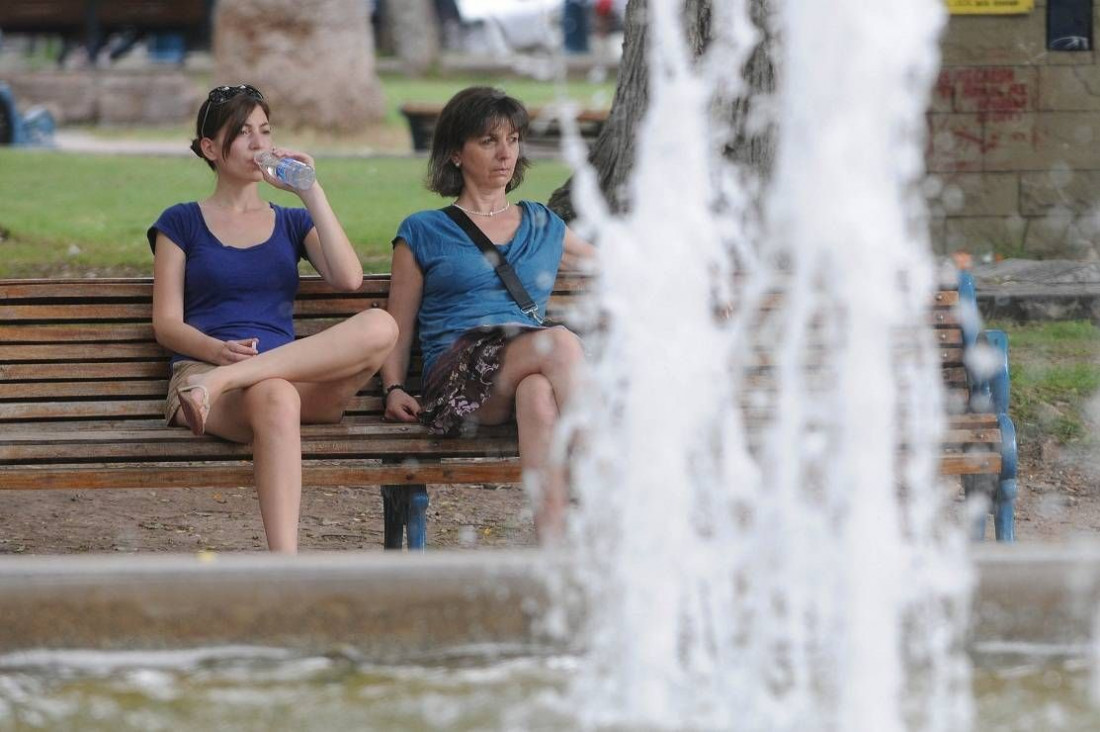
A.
pixel 503 269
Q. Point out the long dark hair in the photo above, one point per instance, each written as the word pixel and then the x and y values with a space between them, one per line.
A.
pixel 213 117
pixel 473 112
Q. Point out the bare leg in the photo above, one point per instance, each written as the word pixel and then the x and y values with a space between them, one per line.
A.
pixel 352 347
pixel 536 378
pixel 268 415
pixel 274 409
pixel 536 414
pixel 260 407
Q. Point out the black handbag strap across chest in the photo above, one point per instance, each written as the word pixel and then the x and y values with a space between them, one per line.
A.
pixel 500 266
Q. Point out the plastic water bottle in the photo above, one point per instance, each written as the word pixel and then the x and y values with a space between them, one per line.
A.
pixel 294 173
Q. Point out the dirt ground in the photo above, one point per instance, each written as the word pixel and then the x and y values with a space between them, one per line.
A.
pixel 188 520
pixel 1059 493
pixel 1059 499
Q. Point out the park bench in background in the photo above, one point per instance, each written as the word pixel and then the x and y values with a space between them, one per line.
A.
pixel 82 385
pixel 91 21
pixel 544 134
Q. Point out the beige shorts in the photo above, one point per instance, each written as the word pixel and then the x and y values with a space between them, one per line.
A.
pixel 180 371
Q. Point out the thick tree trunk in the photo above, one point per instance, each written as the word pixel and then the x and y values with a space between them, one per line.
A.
pixel 415 31
pixel 612 154
pixel 313 60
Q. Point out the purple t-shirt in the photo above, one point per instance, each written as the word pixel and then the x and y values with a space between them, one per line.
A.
pixel 231 293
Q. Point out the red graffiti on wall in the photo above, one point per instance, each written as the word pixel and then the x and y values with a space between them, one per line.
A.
pixel 982 111
pixel 995 92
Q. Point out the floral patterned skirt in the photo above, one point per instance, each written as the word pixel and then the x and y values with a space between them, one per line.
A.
pixel 462 378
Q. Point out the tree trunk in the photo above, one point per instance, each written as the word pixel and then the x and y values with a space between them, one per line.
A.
pixel 612 155
pixel 312 59
pixel 415 31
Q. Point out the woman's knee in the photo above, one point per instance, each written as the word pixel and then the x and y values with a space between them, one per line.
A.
pixel 535 400
pixel 274 403
pixel 559 347
pixel 377 329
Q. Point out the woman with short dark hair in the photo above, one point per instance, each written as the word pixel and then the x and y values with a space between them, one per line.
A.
pixel 486 356
pixel 225 275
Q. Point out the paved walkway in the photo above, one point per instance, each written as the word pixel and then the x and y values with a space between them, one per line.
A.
pixel 77 141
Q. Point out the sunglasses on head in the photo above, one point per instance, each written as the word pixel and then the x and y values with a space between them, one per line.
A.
pixel 222 94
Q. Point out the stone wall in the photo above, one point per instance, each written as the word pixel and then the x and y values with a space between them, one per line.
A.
pixel 109 97
pixel 1014 145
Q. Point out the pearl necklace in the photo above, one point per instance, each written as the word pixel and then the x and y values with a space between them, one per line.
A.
pixel 490 214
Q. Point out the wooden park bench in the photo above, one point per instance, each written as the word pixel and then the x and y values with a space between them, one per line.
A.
pixel 91 21
pixel 73 16
pixel 82 385
pixel 544 133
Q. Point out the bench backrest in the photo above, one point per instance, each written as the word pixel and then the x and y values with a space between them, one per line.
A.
pixel 84 349
pixel 43 16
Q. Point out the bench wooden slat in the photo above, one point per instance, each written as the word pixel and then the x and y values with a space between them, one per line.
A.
pixel 76 332
pixel 14 372
pixel 971 436
pixel 12 411
pixel 961 428
pixel 81 352
pixel 140 313
pixel 76 389
pixel 15 411
pixel 971 464
pixel 64 312
pixel 141 288
pixel 157 432
pixel 354 473
pixel 212 450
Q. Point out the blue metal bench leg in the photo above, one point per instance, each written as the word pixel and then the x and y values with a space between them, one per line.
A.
pixel 417 527
pixel 1004 504
pixel 405 512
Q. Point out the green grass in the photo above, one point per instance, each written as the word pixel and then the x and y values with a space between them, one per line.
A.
pixel 391 135
pixel 72 214
pixel 1053 365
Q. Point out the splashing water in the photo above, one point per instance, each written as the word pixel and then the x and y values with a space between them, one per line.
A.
pixel 759 521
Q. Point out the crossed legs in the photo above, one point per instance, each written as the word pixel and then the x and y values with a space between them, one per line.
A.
pixel 536 379
pixel 265 400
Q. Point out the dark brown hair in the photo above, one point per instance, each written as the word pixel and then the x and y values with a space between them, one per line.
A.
pixel 471 113
pixel 232 113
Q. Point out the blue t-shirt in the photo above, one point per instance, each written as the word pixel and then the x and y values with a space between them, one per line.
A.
pixel 461 289
pixel 231 293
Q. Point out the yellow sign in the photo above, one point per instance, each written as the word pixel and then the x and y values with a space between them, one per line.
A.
pixel 990 7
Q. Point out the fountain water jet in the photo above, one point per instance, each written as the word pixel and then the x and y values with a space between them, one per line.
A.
pixel 792 583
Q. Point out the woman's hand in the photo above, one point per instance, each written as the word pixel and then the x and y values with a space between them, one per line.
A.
pixel 234 351
pixel 281 152
pixel 401 406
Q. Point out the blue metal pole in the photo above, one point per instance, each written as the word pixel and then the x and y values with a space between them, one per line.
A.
pixel 1004 504
pixel 417 528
